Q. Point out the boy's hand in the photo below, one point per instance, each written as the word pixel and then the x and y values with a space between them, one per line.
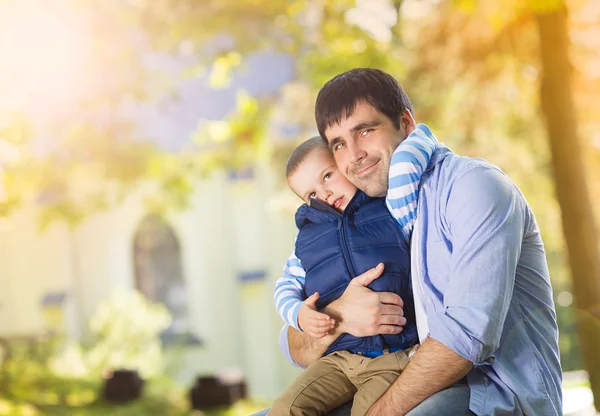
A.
pixel 313 323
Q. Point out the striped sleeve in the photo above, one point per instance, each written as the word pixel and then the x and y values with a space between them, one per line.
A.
pixel 289 291
pixel 409 161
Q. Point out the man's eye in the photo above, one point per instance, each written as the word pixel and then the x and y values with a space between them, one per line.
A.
pixel 338 146
pixel 366 132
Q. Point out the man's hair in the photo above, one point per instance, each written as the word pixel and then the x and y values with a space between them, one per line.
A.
pixel 301 152
pixel 340 95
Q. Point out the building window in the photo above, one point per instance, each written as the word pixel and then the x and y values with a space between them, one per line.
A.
pixel 158 270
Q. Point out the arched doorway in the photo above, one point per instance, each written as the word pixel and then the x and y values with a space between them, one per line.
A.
pixel 158 270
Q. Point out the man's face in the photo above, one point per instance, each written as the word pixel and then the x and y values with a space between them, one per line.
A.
pixel 363 144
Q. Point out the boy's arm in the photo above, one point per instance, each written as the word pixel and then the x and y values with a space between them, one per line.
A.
pixel 289 291
pixel 409 161
pixel 299 348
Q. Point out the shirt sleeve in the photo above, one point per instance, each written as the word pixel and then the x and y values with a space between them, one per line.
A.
pixel 284 346
pixel 409 161
pixel 289 291
pixel 485 215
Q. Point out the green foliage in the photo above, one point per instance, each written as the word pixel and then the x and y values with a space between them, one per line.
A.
pixel 27 378
pixel 15 135
pixel 31 386
pixel 235 142
pixel 127 328
pixel 55 377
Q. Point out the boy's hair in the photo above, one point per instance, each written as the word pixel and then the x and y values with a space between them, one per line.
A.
pixel 340 95
pixel 304 149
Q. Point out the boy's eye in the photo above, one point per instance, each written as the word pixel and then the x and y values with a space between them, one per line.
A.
pixel 313 195
pixel 327 176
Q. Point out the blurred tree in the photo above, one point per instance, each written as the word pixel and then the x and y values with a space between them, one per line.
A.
pixel 571 185
pixel 15 137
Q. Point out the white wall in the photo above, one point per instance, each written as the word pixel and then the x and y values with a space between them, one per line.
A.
pixel 31 264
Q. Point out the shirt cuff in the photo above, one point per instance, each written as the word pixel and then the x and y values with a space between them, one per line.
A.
pixel 445 329
pixel 295 323
pixel 284 346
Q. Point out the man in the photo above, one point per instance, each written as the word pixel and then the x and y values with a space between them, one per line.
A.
pixel 482 291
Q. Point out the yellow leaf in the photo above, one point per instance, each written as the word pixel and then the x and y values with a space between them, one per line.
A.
pixel 222 70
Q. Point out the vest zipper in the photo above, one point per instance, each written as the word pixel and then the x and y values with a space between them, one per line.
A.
pixel 345 249
pixel 342 231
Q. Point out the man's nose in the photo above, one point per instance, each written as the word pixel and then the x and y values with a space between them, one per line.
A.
pixel 356 153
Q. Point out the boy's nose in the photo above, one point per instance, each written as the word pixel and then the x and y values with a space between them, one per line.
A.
pixel 324 194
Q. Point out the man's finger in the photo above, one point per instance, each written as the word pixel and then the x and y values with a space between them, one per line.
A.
pixel 390 299
pixel 320 324
pixel 389 329
pixel 392 320
pixel 367 277
pixel 392 310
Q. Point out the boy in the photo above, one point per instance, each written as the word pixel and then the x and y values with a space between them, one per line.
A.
pixel 343 233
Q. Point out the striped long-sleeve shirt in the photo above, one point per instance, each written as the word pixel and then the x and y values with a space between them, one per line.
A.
pixel 408 162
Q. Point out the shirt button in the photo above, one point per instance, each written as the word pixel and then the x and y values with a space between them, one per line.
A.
pixel 490 360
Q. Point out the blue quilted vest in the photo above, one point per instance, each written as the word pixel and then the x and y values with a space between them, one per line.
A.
pixel 334 248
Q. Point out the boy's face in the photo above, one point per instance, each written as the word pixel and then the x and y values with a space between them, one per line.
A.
pixel 318 177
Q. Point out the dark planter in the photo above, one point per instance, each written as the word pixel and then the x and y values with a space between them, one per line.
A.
pixel 123 386
pixel 210 392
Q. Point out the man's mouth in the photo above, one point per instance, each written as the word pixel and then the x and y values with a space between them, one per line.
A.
pixel 367 170
pixel 338 202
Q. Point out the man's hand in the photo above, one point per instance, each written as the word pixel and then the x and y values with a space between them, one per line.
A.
pixel 306 350
pixel 362 312
pixel 313 323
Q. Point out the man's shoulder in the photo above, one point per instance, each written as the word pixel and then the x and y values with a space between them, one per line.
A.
pixel 467 177
pixel 455 168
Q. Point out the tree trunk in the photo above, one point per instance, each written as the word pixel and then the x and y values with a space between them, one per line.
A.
pixel 571 188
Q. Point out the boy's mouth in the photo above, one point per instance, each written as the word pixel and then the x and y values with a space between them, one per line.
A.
pixel 338 202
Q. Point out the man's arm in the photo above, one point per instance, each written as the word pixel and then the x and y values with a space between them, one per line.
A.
pixel 485 217
pixel 433 368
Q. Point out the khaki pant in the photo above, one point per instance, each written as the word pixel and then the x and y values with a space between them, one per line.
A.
pixel 336 379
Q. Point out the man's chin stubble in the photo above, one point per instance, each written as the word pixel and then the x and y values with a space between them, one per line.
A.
pixel 377 191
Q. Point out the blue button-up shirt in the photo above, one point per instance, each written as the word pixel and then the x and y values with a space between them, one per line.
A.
pixel 485 285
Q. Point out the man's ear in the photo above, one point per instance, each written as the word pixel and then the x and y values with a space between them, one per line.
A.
pixel 407 122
